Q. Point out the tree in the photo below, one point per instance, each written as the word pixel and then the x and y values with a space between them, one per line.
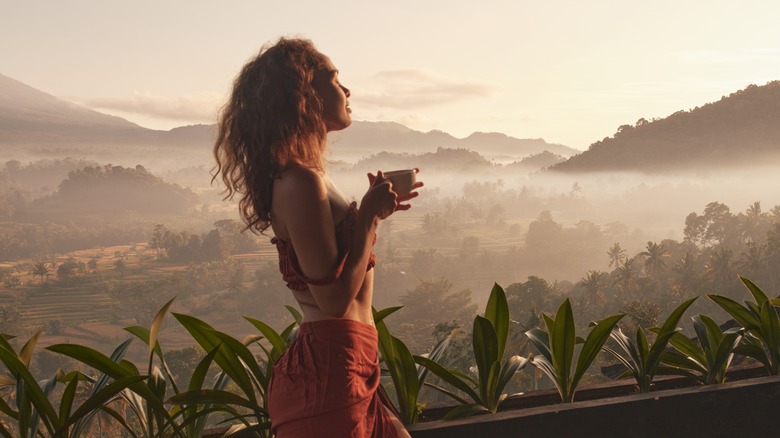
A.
pixel 120 266
pixel 616 255
pixel 687 276
pixel 625 277
pixel 655 253
pixel 527 299
pixel 752 261
pixel 9 317
pixel 68 269
pixel 425 307
pixel 40 269
pixel 593 285
pixel 720 272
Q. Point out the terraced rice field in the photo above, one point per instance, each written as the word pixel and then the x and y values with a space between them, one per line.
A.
pixel 68 304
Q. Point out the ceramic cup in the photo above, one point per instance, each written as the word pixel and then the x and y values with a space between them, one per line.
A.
pixel 402 180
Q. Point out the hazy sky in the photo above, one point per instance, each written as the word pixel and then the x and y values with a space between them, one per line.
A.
pixel 570 72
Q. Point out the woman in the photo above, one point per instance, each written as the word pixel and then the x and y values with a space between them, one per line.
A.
pixel 272 136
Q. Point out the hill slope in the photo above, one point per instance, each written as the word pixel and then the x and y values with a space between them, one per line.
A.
pixel 32 120
pixel 741 129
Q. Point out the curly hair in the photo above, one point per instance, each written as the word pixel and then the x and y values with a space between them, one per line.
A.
pixel 272 121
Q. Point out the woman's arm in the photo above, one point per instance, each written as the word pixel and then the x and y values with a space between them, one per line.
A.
pixel 307 216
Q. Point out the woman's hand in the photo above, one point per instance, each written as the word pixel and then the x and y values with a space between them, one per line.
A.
pixel 413 194
pixel 380 199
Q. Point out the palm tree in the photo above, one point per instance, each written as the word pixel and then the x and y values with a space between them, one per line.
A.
pixel 752 260
pixel 687 277
pixel 41 269
pixel 593 284
pixel 655 254
pixel 720 271
pixel 751 224
pixel 616 255
pixel 625 277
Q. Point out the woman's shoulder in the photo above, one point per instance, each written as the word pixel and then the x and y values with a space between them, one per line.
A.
pixel 298 180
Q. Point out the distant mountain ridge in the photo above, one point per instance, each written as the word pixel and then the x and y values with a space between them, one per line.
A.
pixel 741 129
pixel 32 118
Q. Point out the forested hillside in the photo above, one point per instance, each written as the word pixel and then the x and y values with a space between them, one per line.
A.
pixel 741 129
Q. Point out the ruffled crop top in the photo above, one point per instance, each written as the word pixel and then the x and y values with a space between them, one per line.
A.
pixel 291 269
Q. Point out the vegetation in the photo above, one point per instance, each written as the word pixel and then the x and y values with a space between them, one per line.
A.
pixel 556 344
pixel 487 390
pixel 641 358
pixel 703 136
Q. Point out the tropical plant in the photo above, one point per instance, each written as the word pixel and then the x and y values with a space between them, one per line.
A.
pixel 642 360
pixel 655 253
pixel 407 376
pixel 34 412
pixel 191 418
pixel 616 255
pixel 490 335
pixel 761 323
pixel 708 358
pixel 40 269
pixel 239 364
pixel 556 345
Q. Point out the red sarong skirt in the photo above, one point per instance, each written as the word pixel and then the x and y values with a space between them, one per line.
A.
pixel 327 384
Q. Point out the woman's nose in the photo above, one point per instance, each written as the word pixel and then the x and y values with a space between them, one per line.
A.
pixel 346 90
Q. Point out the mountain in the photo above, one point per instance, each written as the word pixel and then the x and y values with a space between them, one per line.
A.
pixel 23 108
pixel 365 138
pixel 738 130
pixel 39 125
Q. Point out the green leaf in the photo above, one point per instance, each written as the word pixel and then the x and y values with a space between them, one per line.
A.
pixel 66 402
pixel 497 312
pixel 757 293
pixel 202 369
pixel 104 395
pixel 447 376
pixel 541 341
pixel 485 349
pixel 770 329
pixel 27 387
pixel 446 391
pixel 740 314
pixel 464 411
pixel 510 368
pixel 295 313
pixel 682 362
pixel 156 324
pixel 562 340
pixel 205 336
pixel 276 340
pixel 384 313
pixel 249 361
pixel 596 339
pixel 406 379
pixel 673 320
pixel 688 348
pixel 25 354
pixel 94 359
pixel 212 396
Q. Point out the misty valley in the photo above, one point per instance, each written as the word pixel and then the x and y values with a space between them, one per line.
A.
pixel 103 223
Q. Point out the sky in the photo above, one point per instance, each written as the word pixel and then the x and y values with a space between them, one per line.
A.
pixel 569 72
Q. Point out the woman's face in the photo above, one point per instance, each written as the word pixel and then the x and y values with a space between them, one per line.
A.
pixel 335 106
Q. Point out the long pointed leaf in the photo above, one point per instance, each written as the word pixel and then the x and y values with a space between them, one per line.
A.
pixel 757 293
pixel 27 387
pixel 742 315
pixel 156 324
pixel 497 312
pixel 25 354
pixel 447 376
pixel 562 341
pixel 595 340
